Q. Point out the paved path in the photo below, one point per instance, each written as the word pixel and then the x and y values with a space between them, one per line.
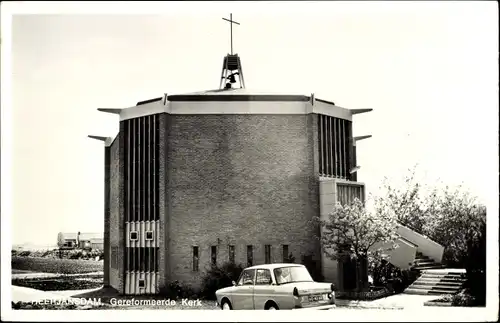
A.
pixel 399 301
pixel 25 294
pixel 50 275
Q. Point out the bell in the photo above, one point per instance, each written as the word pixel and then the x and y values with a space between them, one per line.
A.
pixel 228 85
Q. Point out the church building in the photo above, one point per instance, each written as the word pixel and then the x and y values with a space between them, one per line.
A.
pixel 225 175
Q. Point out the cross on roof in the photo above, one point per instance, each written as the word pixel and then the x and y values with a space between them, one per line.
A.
pixel 231 22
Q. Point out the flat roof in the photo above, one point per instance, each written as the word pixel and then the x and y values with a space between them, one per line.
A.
pixel 240 94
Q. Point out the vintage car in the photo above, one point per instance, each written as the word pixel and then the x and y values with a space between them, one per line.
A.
pixel 276 287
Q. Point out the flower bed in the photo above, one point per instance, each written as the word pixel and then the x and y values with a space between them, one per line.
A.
pixel 365 295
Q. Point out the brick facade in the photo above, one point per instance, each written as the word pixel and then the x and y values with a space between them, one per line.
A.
pixel 239 180
pixel 224 179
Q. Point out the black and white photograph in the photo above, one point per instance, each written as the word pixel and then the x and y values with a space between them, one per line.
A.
pixel 333 161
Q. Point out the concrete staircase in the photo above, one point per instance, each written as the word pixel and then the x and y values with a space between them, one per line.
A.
pixel 437 282
pixel 422 262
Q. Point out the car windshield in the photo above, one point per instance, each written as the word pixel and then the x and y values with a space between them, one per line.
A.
pixel 292 274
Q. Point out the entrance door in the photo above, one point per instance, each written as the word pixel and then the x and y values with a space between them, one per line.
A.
pixel 349 276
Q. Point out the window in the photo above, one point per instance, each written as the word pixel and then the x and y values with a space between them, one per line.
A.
pixel 196 258
pixel 267 250
pixel 214 255
pixel 142 283
pixel 285 253
pixel 263 277
pixel 149 235
pixel 249 256
pixel 292 274
pixel 134 235
pixel 231 254
pixel 247 277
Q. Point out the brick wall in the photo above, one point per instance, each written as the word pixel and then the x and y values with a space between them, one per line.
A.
pixel 114 216
pixel 107 248
pixel 239 180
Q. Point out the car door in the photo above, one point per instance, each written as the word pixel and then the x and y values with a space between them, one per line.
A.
pixel 263 289
pixel 243 295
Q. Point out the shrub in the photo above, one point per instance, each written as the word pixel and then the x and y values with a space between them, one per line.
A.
pixel 290 259
pixel 176 290
pixel 25 253
pixel 463 299
pixel 313 267
pixel 387 275
pixel 75 254
pixel 219 277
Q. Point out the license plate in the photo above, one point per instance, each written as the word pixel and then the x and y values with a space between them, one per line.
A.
pixel 315 298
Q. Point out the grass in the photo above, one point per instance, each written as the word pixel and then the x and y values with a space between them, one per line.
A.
pixel 60 283
pixel 58 266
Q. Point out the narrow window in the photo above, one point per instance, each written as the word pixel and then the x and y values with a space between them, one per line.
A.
pixel 285 253
pixel 196 258
pixel 231 254
pixel 249 255
pixel 268 253
pixel 214 255
pixel 142 283
pixel 149 235
pixel 134 235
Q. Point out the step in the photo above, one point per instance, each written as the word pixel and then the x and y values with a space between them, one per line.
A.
pixel 442 292
pixel 447 276
pixel 438 283
pixel 444 271
pixel 426 267
pixel 415 291
pixel 421 258
pixel 442 279
pixel 426 264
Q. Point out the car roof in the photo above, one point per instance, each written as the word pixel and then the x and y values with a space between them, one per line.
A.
pixel 273 266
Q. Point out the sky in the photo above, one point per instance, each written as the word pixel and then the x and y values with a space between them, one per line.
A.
pixel 428 70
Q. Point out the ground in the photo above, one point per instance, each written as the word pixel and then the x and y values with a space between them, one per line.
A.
pixel 63 291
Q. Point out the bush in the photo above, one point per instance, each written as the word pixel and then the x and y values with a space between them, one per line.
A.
pixel 176 290
pixel 463 299
pixel 219 277
pixel 75 254
pixel 313 267
pixel 387 275
pixel 25 253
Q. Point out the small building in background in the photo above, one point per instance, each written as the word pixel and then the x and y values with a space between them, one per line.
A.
pixel 80 240
pixel 97 243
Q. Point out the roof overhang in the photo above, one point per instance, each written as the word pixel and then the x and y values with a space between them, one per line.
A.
pixel 234 101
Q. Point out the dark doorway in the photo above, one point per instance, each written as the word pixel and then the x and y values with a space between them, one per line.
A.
pixel 349 273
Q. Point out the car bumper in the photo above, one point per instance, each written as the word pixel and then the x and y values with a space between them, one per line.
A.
pixel 314 308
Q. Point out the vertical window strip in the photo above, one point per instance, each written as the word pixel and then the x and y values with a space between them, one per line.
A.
pixel 143 167
pixel 285 253
pixel 134 168
pixel 320 143
pixel 196 257
pixel 213 255
pixel 267 250
pixel 249 255
pixel 231 254
pixel 157 165
pixel 341 132
pixel 335 154
pixel 328 146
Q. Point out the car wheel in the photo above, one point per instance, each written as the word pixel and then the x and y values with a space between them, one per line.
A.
pixel 226 306
pixel 272 307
